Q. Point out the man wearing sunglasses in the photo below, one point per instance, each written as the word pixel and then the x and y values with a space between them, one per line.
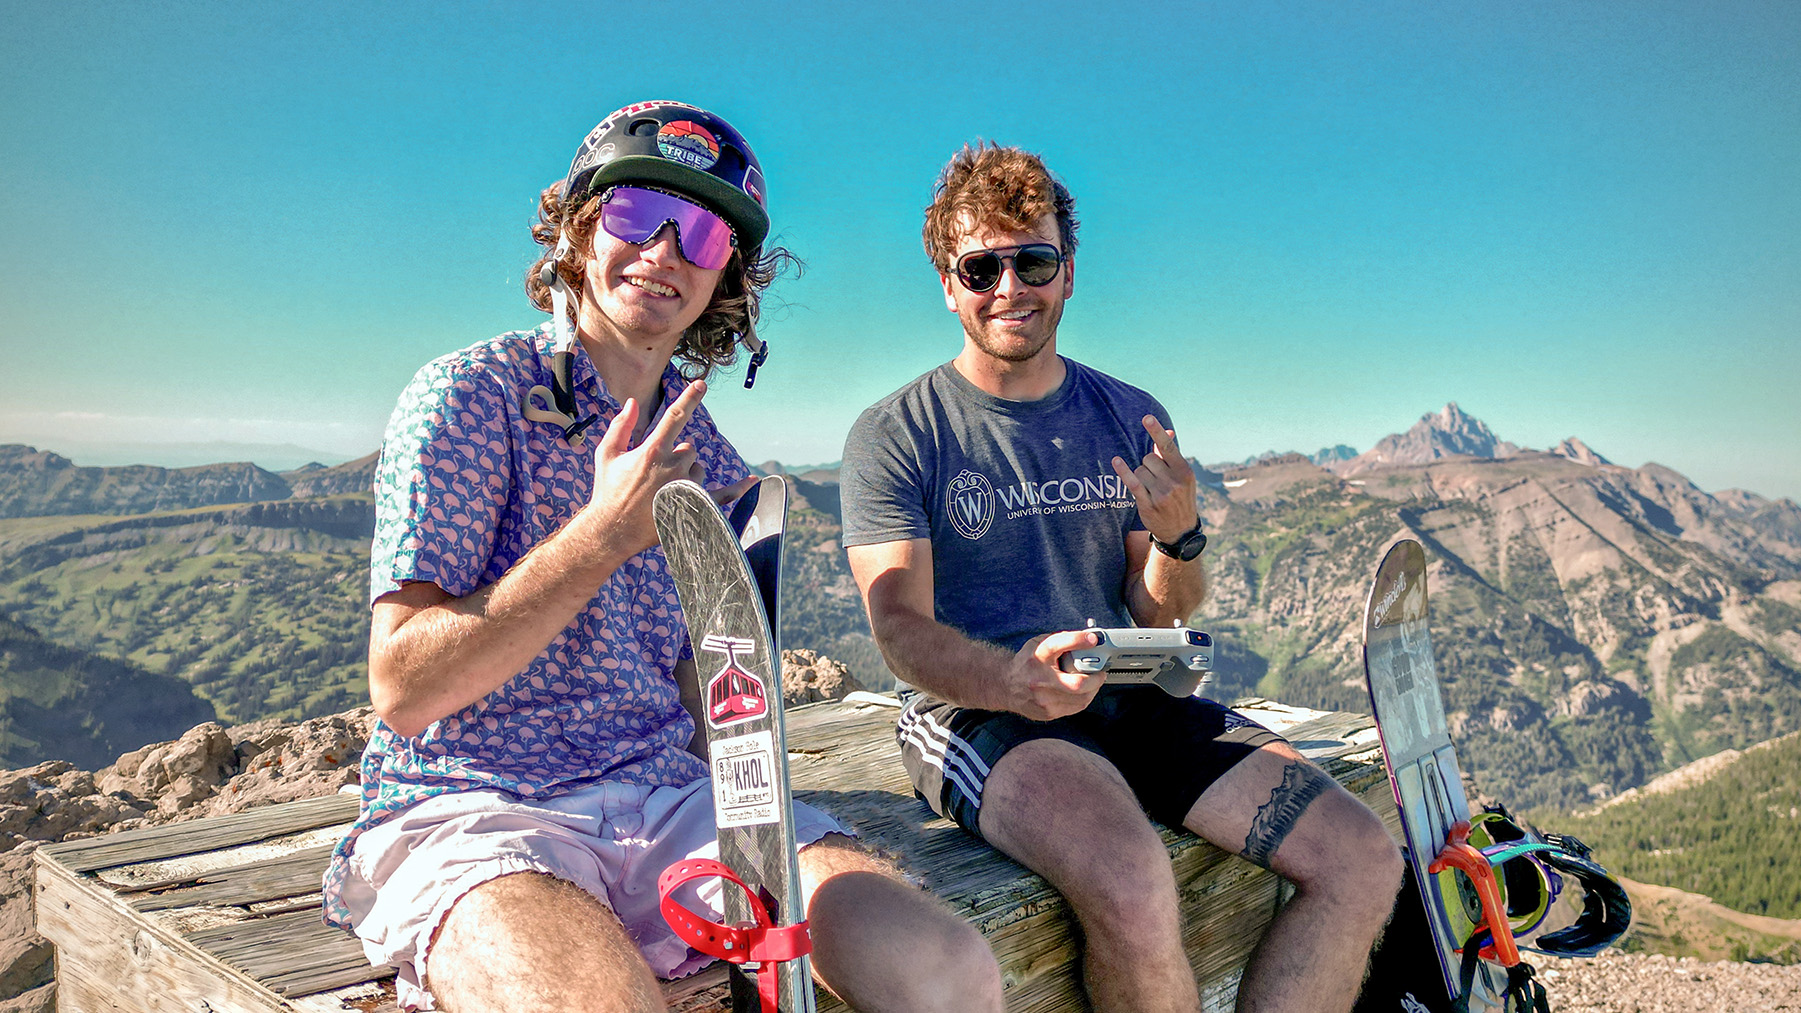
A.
pixel 995 507
pixel 531 774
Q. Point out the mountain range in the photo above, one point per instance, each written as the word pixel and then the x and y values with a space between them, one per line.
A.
pixel 1594 624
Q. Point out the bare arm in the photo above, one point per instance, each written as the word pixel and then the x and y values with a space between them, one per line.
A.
pixel 1161 590
pixel 431 655
pixel 896 581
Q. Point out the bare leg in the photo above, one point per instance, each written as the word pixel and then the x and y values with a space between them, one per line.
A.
pixel 1282 812
pixel 1068 815
pixel 881 944
pixel 531 941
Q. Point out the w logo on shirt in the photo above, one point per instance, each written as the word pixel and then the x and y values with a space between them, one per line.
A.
pixel 970 501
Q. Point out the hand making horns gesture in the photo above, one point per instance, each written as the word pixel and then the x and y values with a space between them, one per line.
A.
pixel 1163 485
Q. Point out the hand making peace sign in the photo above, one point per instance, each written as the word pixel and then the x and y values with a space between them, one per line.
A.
pixel 627 478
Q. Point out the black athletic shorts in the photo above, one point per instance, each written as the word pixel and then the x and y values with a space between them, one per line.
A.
pixel 1169 749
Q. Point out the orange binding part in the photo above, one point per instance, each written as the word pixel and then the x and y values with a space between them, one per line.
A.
pixel 764 943
pixel 1463 856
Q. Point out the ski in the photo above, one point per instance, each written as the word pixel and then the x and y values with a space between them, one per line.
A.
pixel 727 576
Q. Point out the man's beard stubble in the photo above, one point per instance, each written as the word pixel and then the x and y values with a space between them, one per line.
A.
pixel 975 330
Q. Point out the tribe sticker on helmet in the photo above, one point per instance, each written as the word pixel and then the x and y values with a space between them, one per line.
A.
pixel 733 694
pixel 689 143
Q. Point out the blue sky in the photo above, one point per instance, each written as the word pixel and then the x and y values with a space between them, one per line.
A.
pixel 1303 223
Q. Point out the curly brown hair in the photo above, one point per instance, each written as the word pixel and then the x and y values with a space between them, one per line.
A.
pixel 988 186
pixel 711 341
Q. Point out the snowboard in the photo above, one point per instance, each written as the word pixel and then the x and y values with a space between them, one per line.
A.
pixel 727 576
pixel 1421 762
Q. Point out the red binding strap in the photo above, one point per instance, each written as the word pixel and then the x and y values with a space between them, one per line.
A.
pixel 1460 854
pixel 763 944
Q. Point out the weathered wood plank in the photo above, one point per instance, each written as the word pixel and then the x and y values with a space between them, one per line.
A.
pixel 115 958
pixel 1226 902
pixel 293 875
pixel 202 835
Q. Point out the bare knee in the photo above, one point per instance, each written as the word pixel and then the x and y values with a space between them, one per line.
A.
pixel 960 973
pixel 1360 864
pixel 1129 888
pixel 882 943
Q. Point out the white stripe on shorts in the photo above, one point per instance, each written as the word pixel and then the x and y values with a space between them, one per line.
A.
pixel 953 757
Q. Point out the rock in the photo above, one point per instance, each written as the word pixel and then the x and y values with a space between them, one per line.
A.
pixel 185 770
pixel 51 801
pixel 38 1000
pixel 25 958
pixel 1593 697
pixel 1616 982
pixel 807 677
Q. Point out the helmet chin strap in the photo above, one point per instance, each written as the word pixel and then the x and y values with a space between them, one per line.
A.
pixel 559 403
pixel 759 352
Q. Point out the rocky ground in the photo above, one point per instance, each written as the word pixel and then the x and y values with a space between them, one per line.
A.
pixel 213 770
pixel 1650 983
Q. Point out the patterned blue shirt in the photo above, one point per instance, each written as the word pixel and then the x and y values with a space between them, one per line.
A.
pixel 466 487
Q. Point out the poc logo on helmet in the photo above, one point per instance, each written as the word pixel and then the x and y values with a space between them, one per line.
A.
pixel 970 500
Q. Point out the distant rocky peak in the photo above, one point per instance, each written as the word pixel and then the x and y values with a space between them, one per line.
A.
pixel 18 455
pixel 1462 433
pixel 1336 452
pixel 1448 432
pixel 1580 452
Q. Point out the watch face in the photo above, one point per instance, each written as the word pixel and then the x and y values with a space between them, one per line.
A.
pixel 1184 548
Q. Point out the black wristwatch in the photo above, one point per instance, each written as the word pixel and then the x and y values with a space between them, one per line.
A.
pixel 1186 546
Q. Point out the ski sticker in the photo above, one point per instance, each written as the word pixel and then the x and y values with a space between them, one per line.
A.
pixel 743 792
pixel 733 694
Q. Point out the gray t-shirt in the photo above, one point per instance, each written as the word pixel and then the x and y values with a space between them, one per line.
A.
pixel 1026 516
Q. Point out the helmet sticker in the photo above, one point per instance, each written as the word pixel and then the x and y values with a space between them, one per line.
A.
pixel 689 143
pixel 592 153
pixel 753 185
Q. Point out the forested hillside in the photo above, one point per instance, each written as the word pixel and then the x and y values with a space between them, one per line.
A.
pixel 1593 625
pixel 257 607
pixel 59 702
pixel 1730 836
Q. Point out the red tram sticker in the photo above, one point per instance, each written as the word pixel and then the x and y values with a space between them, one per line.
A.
pixel 734 695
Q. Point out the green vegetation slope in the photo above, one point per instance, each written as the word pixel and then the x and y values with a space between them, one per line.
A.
pixel 1730 836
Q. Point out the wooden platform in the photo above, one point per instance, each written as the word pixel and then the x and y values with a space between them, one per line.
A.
pixel 223 914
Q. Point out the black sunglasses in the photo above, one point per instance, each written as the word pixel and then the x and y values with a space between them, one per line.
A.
pixel 1034 263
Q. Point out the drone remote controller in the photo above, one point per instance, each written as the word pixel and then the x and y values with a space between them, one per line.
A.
pixel 1177 660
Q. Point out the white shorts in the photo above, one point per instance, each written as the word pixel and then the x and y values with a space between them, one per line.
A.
pixel 611 839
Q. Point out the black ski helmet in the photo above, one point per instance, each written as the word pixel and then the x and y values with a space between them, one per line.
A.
pixel 684 148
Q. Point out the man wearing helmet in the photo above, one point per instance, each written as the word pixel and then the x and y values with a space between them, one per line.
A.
pixel 993 508
pixel 530 776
